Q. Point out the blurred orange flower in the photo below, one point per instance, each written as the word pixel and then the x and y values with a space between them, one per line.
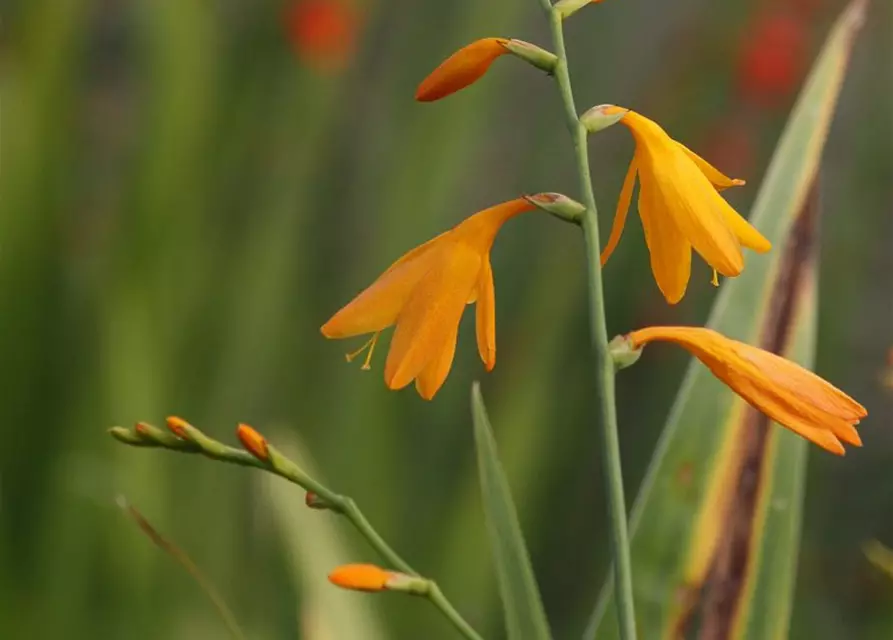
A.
pixel 461 69
pixel 773 58
pixel 424 293
pixel 786 392
pixel 680 208
pixel 361 577
pixel 322 32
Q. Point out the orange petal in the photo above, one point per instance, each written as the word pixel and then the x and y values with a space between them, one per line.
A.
pixel 432 313
pixel 747 235
pixel 485 316
pixel 716 177
pixel 670 250
pixel 435 372
pixel 377 306
pixel 623 202
pixel 461 69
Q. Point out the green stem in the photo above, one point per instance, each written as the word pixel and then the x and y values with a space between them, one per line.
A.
pixel 278 464
pixel 604 369
pixel 435 595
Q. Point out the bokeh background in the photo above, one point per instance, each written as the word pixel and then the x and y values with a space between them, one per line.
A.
pixel 190 188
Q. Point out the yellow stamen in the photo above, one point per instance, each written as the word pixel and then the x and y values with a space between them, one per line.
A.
pixel 715 279
pixel 370 345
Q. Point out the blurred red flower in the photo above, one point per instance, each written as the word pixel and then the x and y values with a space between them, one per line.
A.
pixel 322 32
pixel 773 59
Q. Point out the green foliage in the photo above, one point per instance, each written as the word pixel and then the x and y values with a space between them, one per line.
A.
pixel 525 618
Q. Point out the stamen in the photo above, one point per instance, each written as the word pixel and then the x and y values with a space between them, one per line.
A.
pixel 373 341
pixel 370 344
pixel 715 279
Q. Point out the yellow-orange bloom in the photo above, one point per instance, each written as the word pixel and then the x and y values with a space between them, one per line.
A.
pixel 786 392
pixel 424 293
pixel 461 69
pixel 680 208
pixel 361 577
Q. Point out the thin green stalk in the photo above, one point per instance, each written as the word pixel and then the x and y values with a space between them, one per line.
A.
pixel 191 440
pixel 435 595
pixel 604 369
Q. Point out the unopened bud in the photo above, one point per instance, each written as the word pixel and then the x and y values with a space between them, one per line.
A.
pixel 126 436
pixel 315 501
pixel 361 577
pixel 558 205
pixel 567 7
pixel 537 56
pixel 253 442
pixel 623 353
pixel 179 427
pixel 602 116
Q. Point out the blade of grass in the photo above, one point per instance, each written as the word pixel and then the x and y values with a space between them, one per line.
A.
pixel 524 615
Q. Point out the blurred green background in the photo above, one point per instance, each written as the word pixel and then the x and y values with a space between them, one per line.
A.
pixel 190 188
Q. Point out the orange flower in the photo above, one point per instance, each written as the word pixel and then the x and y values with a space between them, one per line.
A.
pixel 461 69
pixel 786 392
pixel 322 32
pixel 361 577
pixel 424 293
pixel 680 208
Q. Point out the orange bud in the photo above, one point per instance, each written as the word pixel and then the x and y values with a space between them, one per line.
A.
pixel 253 442
pixel 461 69
pixel 361 577
pixel 178 426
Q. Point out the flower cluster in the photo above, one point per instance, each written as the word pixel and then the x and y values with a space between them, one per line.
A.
pixel 424 293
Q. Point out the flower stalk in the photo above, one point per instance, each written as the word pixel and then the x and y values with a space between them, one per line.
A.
pixel 195 441
pixel 604 363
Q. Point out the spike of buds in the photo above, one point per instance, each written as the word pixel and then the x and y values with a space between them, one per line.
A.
pixel 253 442
pixel 558 205
pixel 602 116
pixel 537 56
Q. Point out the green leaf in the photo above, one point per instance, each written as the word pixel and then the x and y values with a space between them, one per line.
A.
pixel 715 527
pixel 525 618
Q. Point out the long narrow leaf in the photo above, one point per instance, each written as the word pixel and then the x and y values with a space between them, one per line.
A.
pixel 722 477
pixel 525 618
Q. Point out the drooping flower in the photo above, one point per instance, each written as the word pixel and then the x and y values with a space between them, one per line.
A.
pixel 461 69
pixel 786 392
pixel 424 293
pixel 680 208
pixel 323 33
pixel 361 577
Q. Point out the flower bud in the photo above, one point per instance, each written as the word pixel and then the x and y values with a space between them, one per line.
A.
pixel 179 427
pixel 361 577
pixel 602 116
pixel 537 56
pixel 253 442
pixel 623 353
pixel 567 7
pixel 558 205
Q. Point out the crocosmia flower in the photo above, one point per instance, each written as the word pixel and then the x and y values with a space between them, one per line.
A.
pixel 322 32
pixel 680 208
pixel 424 294
pixel 461 69
pixel 786 392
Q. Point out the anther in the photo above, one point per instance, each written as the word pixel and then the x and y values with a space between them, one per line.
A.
pixel 715 279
